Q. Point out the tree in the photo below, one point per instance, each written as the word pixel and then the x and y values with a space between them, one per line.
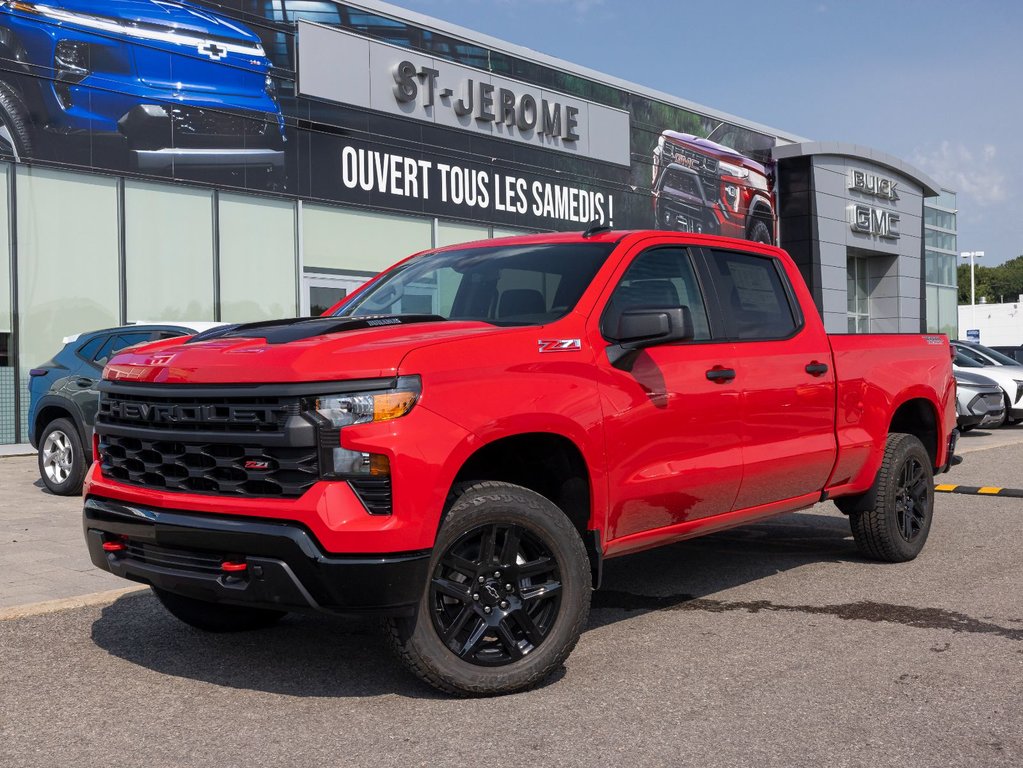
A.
pixel 995 284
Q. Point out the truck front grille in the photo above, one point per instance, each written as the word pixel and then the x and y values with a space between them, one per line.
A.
pixel 237 469
pixel 195 121
pixel 224 441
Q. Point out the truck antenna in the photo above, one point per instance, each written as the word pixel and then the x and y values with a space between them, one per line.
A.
pixel 596 227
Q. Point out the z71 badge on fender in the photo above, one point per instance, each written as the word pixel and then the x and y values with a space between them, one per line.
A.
pixel 559 345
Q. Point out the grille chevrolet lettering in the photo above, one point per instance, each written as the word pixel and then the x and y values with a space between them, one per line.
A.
pixel 156 413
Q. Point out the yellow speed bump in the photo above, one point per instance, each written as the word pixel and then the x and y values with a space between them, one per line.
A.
pixel 979 490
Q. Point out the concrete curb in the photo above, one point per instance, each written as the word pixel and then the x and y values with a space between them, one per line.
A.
pixel 67 603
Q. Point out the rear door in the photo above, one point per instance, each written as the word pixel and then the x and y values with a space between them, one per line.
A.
pixel 672 432
pixel 784 372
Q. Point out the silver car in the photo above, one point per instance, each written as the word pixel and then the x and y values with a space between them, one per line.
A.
pixel 979 401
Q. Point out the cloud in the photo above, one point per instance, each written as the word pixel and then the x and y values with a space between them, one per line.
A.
pixel 971 172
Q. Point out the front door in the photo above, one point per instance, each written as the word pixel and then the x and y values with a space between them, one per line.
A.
pixel 672 431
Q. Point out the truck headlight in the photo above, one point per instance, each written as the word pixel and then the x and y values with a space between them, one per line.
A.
pixel 332 413
pixel 364 407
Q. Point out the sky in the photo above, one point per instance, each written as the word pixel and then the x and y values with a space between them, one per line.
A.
pixel 936 83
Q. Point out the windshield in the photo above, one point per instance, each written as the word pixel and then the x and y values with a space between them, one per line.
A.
pixel 964 362
pixel 504 284
pixel 996 355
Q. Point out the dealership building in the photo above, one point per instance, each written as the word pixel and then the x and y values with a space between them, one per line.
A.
pixel 371 133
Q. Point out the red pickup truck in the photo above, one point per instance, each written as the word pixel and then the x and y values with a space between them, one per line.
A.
pixel 460 444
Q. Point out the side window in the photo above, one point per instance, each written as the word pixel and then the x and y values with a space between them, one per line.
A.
pixel 116 343
pixel 658 278
pixel 753 295
pixel 89 349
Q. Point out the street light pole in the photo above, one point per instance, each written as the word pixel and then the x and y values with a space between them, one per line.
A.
pixel 973 256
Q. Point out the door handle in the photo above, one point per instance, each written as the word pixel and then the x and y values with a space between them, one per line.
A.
pixel 720 375
pixel 816 369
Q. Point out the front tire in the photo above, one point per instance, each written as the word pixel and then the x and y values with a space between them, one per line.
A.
pixel 508 596
pixel 759 232
pixel 15 125
pixel 61 458
pixel 896 528
pixel 216 617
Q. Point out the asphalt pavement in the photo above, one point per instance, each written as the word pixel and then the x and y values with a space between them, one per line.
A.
pixel 770 645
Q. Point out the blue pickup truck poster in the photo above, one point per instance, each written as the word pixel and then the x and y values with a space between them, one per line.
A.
pixel 212 93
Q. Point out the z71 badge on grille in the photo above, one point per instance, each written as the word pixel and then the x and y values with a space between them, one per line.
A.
pixel 560 345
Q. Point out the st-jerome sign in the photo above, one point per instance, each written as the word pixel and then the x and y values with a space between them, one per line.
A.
pixel 344 67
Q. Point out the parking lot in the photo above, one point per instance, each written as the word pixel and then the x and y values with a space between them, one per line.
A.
pixel 770 645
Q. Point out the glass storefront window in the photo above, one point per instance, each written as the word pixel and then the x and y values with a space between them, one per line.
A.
pixel 935 218
pixel 168 236
pixel 341 239
pixel 453 233
pixel 68 272
pixel 946 241
pixel 257 258
pixel 858 295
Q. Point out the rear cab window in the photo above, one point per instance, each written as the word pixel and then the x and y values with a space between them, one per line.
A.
pixel 755 295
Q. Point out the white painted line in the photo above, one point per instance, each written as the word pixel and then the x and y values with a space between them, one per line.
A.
pixel 67 603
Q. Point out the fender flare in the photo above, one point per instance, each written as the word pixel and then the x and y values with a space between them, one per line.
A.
pixel 72 410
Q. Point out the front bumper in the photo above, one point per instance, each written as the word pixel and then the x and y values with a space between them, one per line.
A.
pixel 168 159
pixel 286 569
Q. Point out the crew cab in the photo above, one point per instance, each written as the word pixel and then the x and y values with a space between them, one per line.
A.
pixel 465 471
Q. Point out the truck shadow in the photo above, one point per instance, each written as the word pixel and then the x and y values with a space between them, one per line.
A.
pixel 317 655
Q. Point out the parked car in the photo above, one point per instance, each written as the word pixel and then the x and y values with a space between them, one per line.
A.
pixel 152 86
pixel 1016 353
pixel 979 401
pixel 63 397
pixel 984 355
pixel 1008 377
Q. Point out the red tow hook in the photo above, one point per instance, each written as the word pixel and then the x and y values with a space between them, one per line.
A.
pixel 116 545
pixel 233 566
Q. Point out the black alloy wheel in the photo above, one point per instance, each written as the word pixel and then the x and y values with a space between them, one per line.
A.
pixel 911 499
pixel 507 598
pixel 495 594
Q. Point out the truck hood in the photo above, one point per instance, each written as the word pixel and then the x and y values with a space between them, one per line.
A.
pixel 302 350
pixel 712 148
pixel 167 14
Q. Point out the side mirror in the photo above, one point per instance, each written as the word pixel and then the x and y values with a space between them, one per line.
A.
pixel 639 328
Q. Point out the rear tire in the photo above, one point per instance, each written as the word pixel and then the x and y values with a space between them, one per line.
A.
pixel 508 596
pixel 216 617
pixel 61 458
pixel 896 528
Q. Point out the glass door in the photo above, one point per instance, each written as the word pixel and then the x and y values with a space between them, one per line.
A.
pixel 321 291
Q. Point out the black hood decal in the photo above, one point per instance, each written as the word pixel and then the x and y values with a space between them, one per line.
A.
pixel 296 329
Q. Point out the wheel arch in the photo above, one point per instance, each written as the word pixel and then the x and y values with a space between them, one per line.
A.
pixel 547 463
pixel 917 416
pixel 52 408
pixel 761 210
